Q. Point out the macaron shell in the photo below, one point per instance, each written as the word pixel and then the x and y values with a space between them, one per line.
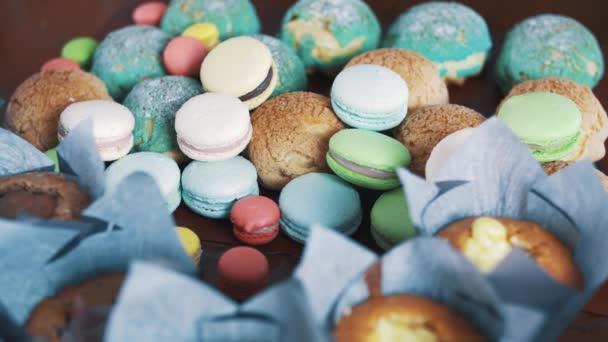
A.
pixel 255 212
pixel 361 179
pixel 390 220
pixel 242 271
pixel 265 95
pixel 236 67
pixel 110 119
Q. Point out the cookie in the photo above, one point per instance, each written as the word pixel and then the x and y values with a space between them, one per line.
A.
pixel 425 127
pixel 291 136
pixel 34 109
pixel 425 86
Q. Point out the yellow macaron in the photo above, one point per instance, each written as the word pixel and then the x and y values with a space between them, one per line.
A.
pixel 191 243
pixel 207 33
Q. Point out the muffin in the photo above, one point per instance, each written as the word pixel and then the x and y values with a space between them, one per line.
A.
pixel 486 241
pixel 42 194
pixel 33 110
pixel 404 317
pixel 425 127
pixel 594 123
pixel 78 311
pixel 425 86
pixel 291 136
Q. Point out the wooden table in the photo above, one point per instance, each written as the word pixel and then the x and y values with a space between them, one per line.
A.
pixel 33 31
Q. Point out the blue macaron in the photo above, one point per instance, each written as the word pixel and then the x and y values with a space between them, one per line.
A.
pixel 452 35
pixel 319 198
pixel 212 188
pixel 162 168
pixel 370 97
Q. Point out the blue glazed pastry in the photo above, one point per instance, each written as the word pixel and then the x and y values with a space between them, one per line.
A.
pixel 328 33
pixel 211 188
pixel 450 34
pixel 129 55
pixel 319 198
pixel 154 104
pixel 292 75
pixel 231 17
pixel 549 45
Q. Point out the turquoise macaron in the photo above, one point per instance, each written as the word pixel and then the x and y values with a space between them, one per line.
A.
pixel 154 103
pixel 292 75
pixel 550 124
pixel 327 33
pixel 366 158
pixel 162 168
pixel 549 45
pixel 129 55
pixel 450 34
pixel 231 17
pixel 319 198
pixel 211 188
pixel 390 220
pixel 370 97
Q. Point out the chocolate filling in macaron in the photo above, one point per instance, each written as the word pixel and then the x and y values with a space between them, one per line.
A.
pixel 260 89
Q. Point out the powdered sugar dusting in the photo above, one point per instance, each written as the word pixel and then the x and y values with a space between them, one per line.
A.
pixel 343 13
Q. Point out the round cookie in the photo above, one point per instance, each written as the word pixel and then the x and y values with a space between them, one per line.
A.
pixel 43 194
pixel 291 136
pixel 426 87
pixel 154 104
pixel 292 75
pixel 129 55
pixel 328 33
pixel 34 109
pixel 594 122
pixel 232 17
pixel 450 34
pixel 425 127
pixel 549 45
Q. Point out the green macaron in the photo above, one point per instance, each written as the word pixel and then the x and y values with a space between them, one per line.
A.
pixel 548 123
pixel 390 220
pixel 52 154
pixel 366 158
pixel 80 50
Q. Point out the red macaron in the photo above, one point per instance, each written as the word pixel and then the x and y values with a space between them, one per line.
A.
pixel 59 63
pixel 183 56
pixel 242 272
pixel 255 220
pixel 149 13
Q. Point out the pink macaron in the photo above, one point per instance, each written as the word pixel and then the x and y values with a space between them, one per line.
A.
pixel 59 63
pixel 183 56
pixel 149 13
pixel 242 272
pixel 255 220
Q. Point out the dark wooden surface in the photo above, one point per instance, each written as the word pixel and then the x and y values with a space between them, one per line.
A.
pixel 33 31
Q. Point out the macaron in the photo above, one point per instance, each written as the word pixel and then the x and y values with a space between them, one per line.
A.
pixel 319 198
pixel 52 154
pixel 548 123
pixel 443 152
pixel 212 127
pixel 366 158
pixel 183 56
pixel 149 13
pixel 594 121
pixel 291 135
pixel 191 244
pixel 370 97
pixel 242 67
pixel 390 220
pixel 80 50
pixel 211 188
pixel 59 63
pixel 242 272
pixel 425 86
pixel 206 33
pixel 112 126
pixel 160 167
pixel 255 220
pixel 549 45
pixel 424 128
pixel 452 35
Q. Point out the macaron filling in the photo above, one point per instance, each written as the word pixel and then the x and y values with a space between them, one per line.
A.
pixel 218 149
pixel 389 119
pixel 102 143
pixel 263 230
pixel 554 150
pixel 366 171
pixel 259 89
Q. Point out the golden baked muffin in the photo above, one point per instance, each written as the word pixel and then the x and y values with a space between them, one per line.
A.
pixel 425 127
pixel 404 318
pixel 594 123
pixel 34 109
pixel 291 135
pixel 43 194
pixel 425 86
pixel 486 241
pixel 52 316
